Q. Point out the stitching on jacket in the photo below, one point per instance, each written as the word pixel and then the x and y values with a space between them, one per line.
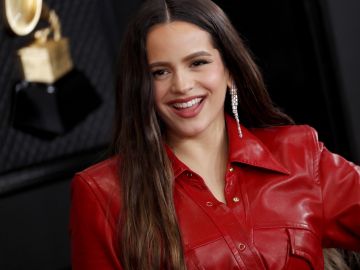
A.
pixel 90 182
pixel 316 165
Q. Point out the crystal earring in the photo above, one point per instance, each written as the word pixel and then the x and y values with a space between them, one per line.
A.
pixel 234 106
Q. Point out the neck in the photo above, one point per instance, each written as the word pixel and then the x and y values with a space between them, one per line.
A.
pixel 206 150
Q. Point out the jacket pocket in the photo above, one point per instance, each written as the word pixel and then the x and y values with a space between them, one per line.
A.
pixel 273 246
pixel 305 250
pixel 212 255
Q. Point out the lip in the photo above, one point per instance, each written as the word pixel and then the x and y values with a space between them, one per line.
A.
pixel 187 112
pixel 183 100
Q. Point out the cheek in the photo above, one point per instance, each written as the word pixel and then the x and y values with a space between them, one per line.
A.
pixel 215 79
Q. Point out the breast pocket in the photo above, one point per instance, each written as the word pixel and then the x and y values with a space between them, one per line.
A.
pixel 212 255
pixel 288 248
pixel 305 250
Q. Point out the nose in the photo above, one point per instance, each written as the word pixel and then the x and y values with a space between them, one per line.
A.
pixel 182 82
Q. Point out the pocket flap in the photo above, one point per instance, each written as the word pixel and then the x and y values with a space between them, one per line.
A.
pixel 305 244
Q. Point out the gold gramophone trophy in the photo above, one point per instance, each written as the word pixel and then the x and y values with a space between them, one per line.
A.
pixel 53 96
pixel 47 58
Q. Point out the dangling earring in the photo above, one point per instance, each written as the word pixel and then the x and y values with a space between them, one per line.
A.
pixel 234 105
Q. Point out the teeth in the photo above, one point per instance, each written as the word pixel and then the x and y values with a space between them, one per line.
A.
pixel 188 104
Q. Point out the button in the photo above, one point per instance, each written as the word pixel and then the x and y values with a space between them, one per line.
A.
pixel 189 174
pixel 242 247
pixel 209 204
pixel 231 169
pixel 236 199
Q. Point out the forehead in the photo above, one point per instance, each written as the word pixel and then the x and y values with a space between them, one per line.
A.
pixel 176 38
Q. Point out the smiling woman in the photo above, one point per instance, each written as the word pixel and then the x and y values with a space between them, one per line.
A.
pixel 189 186
pixel 190 80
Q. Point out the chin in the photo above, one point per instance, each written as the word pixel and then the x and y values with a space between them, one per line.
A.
pixel 189 131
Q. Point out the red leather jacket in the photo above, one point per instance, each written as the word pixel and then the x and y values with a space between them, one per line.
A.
pixel 287 198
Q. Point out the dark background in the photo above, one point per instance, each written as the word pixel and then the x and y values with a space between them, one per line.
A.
pixel 307 49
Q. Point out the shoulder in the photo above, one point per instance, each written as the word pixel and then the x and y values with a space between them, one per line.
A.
pixel 294 146
pixel 101 181
pixel 94 215
pixel 286 130
pixel 297 136
pixel 102 173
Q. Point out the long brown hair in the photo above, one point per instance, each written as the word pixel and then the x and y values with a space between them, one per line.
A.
pixel 149 233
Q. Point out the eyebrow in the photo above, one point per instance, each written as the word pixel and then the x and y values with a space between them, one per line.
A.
pixel 186 58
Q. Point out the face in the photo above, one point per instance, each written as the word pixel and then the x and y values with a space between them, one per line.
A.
pixel 190 79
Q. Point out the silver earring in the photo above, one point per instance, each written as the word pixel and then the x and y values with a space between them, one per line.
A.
pixel 234 106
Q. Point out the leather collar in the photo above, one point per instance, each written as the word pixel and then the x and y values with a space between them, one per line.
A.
pixel 247 150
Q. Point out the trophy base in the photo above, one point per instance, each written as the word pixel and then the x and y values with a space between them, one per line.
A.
pixel 50 110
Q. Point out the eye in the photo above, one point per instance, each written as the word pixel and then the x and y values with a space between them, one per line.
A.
pixel 159 73
pixel 199 62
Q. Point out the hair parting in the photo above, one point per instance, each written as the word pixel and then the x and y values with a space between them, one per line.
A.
pixel 167 13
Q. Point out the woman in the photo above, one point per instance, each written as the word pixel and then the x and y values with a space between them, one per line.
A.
pixel 188 186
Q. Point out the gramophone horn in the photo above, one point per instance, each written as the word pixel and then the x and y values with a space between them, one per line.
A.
pixel 22 15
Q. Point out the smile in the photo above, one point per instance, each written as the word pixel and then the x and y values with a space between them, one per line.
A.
pixel 188 104
pixel 187 107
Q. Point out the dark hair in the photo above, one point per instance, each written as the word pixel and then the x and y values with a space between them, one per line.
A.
pixel 148 228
